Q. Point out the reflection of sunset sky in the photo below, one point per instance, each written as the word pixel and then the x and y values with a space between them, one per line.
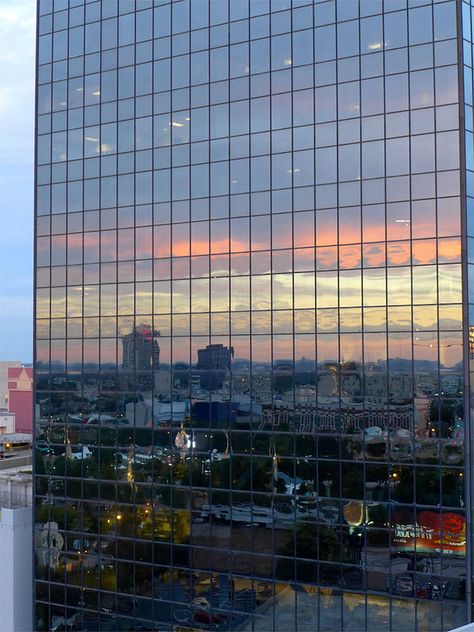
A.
pixel 317 284
pixel 223 236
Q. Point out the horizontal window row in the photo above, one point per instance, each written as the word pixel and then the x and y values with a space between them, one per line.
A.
pixel 88 89
pixel 327 320
pixel 389 441
pixel 89 193
pixel 60 590
pixel 353 37
pixel 429 352
pixel 293 77
pixel 108 329
pixel 396 444
pixel 395 607
pixel 417 89
pixel 253 20
pixel 108 357
pixel 291 161
pixel 350 258
pixel 163 186
pixel 222 323
pixel 323 196
pixel 209 253
pixel 388 454
pixel 160 76
pixel 368 223
pixel 205 16
pixel 403 484
pixel 297 199
pixel 318 137
pixel 373 129
pixel 399 610
pixel 58 463
pixel 56 421
pixel 381 609
pixel 222 61
pixel 346 288
pixel 210 15
pixel 345 349
pixel 372 454
pixel 328 258
pixel 400 224
pixel 211 244
pixel 280 202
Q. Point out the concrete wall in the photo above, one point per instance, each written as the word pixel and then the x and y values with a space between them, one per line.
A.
pixel 16 580
pixel 16 486
pixel 7 423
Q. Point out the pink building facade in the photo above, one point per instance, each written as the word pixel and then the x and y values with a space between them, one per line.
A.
pixel 20 397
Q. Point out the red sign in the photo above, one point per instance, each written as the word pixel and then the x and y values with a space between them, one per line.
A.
pixel 432 531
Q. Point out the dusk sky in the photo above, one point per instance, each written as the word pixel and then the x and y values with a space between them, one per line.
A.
pixel 17 96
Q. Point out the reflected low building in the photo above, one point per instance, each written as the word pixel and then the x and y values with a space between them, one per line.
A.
pixel 253 331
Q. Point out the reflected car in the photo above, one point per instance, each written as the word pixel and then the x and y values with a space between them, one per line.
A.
pixel 419 586
pixel 353 578
pixel 200 603
pixel 125 604
pixel 183 616
pixel 107 603
pixel 402 585
pixel 206 618
pixel 329 575
pixel 79 452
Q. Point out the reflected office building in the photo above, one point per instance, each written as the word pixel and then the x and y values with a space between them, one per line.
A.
pixel 140 358
pixel 253 308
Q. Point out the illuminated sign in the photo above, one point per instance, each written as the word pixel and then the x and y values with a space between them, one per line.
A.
pixel 311 420
pixel 432 531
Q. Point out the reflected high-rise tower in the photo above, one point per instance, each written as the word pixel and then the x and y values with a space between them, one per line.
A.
pixel 283 190
pixel 141 351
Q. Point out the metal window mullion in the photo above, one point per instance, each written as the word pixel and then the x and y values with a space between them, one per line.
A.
pixel 362 269
pixel 413 464
pixel 465 308
pixel 341 605
pixel 386 332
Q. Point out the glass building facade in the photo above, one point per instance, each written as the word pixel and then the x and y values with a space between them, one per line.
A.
pixel 253 249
